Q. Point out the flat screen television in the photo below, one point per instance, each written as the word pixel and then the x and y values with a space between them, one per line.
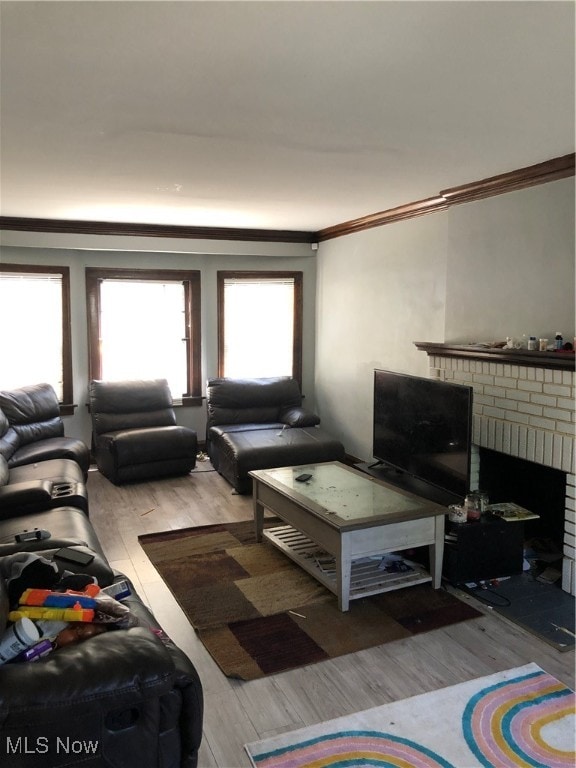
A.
pixel 423 427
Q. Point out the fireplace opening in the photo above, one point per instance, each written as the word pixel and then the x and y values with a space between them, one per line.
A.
pixel 533 599
pixel 536 487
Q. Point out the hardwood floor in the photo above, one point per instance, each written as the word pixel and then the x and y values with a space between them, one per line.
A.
pixel 238 712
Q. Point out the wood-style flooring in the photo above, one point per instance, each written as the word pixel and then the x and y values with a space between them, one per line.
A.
pixel 238 712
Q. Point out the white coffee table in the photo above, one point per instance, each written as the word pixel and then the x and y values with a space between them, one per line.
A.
pixel 340 520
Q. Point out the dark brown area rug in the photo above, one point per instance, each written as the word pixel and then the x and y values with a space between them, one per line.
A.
pixel 258 613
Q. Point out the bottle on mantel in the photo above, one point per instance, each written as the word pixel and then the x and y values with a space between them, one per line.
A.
pixel 532 343
pixel 558 340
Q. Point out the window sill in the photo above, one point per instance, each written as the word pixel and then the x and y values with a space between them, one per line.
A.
pixel 189 402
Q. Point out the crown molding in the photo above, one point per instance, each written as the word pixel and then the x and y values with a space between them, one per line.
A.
pixel 68 226
pixel 409 211
pixel 541 173
pixel 532 175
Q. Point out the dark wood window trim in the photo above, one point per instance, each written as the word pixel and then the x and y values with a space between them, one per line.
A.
pixel 191 282
pixel 298 312
pixel 66 406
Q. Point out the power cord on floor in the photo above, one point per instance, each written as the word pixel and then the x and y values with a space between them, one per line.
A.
pixel 201 456
pixel 476 589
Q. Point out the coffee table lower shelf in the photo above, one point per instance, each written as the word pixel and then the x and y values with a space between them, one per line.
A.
pixel 366 578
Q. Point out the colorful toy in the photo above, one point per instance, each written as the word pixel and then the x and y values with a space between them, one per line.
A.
pixel 76 613
pixel 49 599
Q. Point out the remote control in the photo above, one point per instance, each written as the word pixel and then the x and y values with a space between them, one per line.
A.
pixel 303 477
pixel 35 535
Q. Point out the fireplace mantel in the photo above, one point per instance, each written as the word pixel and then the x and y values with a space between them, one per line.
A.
pixel 558 360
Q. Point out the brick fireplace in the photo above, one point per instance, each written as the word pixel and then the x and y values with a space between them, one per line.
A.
pixel 523 407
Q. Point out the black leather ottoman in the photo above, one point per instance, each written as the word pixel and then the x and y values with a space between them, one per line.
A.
pixel 241 452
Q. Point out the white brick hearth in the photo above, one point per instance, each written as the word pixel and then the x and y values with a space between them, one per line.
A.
pixel 527 412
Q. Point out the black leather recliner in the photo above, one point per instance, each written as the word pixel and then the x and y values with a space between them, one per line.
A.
pixel 260 424
pixel 135 435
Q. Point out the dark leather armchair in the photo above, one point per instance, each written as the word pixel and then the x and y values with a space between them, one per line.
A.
pixel 135 435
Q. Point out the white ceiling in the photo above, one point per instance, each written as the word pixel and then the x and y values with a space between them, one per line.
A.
pixel 274 115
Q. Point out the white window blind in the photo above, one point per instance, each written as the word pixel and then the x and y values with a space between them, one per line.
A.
pixel 142 332
pixel 32 337
pixel 258 327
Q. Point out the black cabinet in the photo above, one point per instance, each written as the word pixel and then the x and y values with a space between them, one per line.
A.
pixel 483 550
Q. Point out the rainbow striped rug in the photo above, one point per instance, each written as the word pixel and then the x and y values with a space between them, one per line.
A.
pixel 520 717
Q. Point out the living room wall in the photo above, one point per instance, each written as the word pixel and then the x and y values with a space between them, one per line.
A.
pixel 483 270
pixel 479 271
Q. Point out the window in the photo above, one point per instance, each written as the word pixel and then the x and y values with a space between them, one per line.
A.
pixel 145 324
pixel 36 343
pixel 260 324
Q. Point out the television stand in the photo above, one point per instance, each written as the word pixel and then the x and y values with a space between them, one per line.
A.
pixel 388 474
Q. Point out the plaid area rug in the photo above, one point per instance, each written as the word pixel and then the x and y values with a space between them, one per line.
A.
pixel 258 613
pixel 520 717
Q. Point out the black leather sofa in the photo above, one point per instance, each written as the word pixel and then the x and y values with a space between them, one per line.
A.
pixel 40 468
pixel 259 424
pixel 121 699
pixel 31 429
pixel 127 697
